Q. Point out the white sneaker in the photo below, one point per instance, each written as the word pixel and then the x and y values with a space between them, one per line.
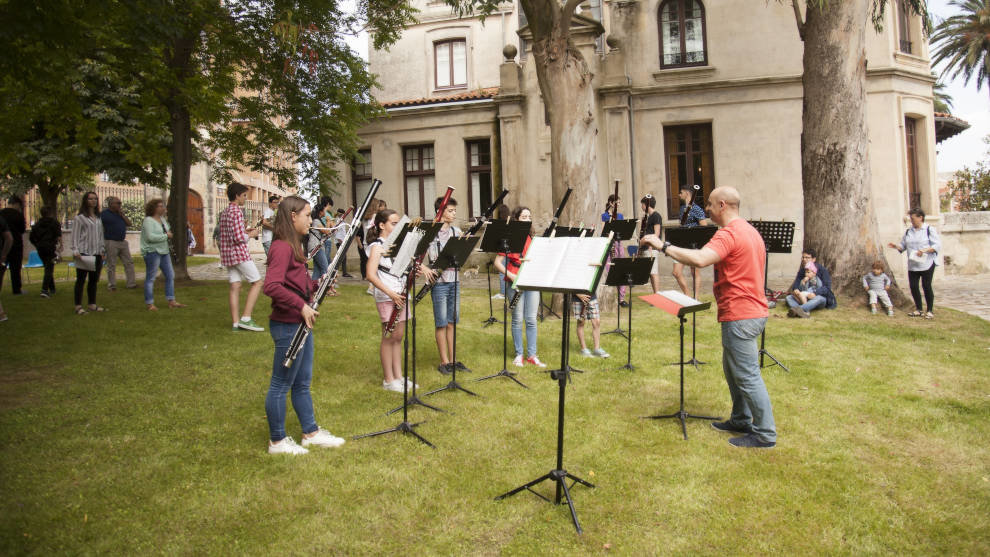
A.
pixel 323 438
pixel 394 386
pixel 601 353
pixel 535 361
pixel 285 446
pixel 409 383
pixel 518 361
pixel 498 297
pixel 586 353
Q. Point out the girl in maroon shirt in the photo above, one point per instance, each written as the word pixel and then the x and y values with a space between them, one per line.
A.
pixel 288 284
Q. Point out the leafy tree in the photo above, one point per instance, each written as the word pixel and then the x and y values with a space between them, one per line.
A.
pixel 969 189
pixel 963 42
pixel 68 111
pixel 268 85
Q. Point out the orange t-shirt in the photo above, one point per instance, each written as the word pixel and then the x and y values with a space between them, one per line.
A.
pixel 739 281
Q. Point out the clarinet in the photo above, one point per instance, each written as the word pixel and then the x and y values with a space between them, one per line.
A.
pixel 546 234
pixel 328 278
pixel 390 326
pixel 485 217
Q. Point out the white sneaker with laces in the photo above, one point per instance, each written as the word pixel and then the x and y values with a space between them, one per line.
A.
pixel 408 382
pixel 601 353
pixel 535 361
pixel 394 386
pixel 518 361
pixel 323 438
pixel 498 297
pixel 285 446
pixel 586 353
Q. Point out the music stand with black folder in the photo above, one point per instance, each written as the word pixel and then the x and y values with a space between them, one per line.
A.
pixel 678 305
pixel 627 271
pixel 778 236
pixel 559 475
pixel 454 254
pixel 429 232
pixel 691 238
pixel 622 231
pixel 505 237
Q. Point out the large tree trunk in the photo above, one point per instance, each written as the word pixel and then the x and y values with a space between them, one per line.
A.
pixel 565 83
pixel 179 188
pixel 179 59
pixel 839 215
pixel 49 192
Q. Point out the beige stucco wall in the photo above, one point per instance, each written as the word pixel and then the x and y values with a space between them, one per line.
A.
pixel 750 92
pixel 406 70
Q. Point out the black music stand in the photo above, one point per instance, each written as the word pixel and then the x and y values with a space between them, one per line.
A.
pixel 505 237
pixel 778 236
pixel 678 310
pixel 491 310
pixel 559 475
pixel 626 271
pixel 430 231
pixel 454 254
pixel 691 238
pixel 623 230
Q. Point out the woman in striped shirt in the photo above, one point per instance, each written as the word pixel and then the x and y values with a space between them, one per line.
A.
pixel 87 239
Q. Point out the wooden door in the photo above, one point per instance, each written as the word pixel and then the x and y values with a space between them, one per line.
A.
pixel 194 211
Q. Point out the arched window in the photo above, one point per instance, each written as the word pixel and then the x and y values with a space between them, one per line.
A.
pixel 682 34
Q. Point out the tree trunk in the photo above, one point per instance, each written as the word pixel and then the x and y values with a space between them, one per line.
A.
pixel 49 192
pixel 179 188
pixel 839 215
pixel 179 60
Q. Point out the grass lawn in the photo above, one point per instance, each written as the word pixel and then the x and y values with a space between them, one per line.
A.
pixel 130 432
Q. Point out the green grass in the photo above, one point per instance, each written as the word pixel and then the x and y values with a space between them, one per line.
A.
pixel 130 432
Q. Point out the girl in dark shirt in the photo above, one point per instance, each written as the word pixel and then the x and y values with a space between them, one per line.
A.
pixel 288 284
pixel 692 215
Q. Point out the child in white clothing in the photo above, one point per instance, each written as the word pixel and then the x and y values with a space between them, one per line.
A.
pixel 877 283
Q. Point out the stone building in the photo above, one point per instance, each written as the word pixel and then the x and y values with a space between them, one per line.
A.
pixel 688 92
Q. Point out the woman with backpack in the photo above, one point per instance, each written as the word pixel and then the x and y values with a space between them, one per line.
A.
pixel 923 245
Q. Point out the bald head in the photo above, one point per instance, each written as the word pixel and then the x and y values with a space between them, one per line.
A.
pixel 723 204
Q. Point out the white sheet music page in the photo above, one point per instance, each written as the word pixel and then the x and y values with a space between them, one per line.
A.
pixel 564 264
pixel 407 250
pixel 680 298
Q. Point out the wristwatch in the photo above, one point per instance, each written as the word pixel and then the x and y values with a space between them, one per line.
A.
pixel 663 249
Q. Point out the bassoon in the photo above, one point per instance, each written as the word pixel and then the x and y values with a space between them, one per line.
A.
pixel 485 217
pixel 328 278
pixel 546 234
pixel 411 277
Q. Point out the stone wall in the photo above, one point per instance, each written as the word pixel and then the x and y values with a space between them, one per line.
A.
pixel 966 242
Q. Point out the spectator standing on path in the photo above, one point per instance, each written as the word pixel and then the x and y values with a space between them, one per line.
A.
pixel 115 225
pixel 46 235
pixel 14 215
pixel 268 222
pixel 6 240
pixel 339 235
pixel 738 253
pixel 155 235
pixel 87 241
pixel 235 257
pixel 923 245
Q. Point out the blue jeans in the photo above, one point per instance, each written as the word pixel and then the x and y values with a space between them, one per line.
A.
pixel 320 263
pixel 812 305
pixel 297 378
pixel 526 308
pixel 446 303
pixel 502 285
pixel 152 262
pixel 741 364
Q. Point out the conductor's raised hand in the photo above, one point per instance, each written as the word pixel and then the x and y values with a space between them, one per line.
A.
pixel 651 240
pixel 309 315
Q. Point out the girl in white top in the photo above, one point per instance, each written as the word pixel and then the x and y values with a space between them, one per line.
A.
pixel 388 295
pixel 923 245
pixel 87 239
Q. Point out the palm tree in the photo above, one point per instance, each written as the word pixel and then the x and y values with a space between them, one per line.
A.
pixel 963 42
pixel 942 100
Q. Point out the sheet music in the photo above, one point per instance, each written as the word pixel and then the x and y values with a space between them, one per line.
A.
pixel 562 263
pixel 679 298
pixel 395 233
pixel 407 251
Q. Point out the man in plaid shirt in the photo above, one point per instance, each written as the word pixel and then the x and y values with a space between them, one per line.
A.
pixel 235 257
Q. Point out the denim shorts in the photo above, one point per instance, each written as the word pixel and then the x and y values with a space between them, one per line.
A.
pixel 446 303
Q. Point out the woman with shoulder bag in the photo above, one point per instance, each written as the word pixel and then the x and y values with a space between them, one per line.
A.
pixel 923 245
